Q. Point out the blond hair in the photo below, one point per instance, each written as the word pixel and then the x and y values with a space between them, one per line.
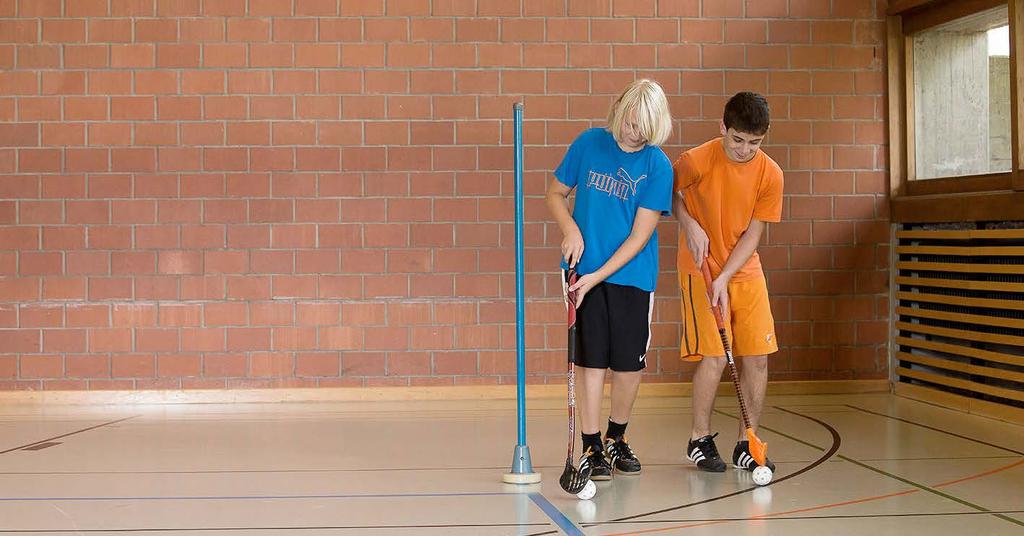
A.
pixel 647 99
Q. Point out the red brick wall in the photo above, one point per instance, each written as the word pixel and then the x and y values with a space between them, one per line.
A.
pixel 233 193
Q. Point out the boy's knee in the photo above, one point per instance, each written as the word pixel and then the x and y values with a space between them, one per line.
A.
pixel 713 364
pixel 757 364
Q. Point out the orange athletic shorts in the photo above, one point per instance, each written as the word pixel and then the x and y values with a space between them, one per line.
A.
pixel 749 322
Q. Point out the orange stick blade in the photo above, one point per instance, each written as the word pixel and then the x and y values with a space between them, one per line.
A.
pixel 758 448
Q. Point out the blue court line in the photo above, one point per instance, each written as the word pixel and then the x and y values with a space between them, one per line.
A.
pixel 556 515
pixel 253 497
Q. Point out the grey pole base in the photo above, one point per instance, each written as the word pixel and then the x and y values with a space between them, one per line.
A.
pixel 522 469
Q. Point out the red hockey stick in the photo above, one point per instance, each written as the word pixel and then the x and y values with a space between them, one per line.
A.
pixel 572 480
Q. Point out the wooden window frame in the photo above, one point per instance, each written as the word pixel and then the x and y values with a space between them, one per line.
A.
pixel 994 196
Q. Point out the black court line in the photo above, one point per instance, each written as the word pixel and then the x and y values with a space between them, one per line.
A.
pixel 255 497
pixel 561 521
pixel 375 470
pixel 556 516
pixel 43 445
pixel 502 525
pixel 799 518
pixel 923 487
pixel 979 510
pixel 449 414
pixel 34 443
pixel 935 458
pixel 635 518
pixel 934 429
pixel 275 529
pixel 429 469
pixel 836 441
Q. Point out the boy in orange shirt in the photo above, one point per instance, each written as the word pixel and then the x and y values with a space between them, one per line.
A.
pixel 727 190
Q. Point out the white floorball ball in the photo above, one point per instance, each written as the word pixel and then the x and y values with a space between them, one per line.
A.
pixel 588 491
pixel 762 475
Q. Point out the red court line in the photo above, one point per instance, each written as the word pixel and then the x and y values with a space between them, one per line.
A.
pixel 838 504
pixel 763 516
pixel 979 475
pixel 674 527
pixel 826 506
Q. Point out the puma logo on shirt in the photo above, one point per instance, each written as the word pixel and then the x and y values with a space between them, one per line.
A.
pixel 624 175
pixel 621 189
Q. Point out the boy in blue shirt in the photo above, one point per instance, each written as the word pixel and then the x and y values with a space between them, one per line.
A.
pixel 623 184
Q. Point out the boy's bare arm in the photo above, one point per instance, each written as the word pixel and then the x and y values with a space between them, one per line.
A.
pixel 679 208
pixel 557 199
pixel 696 238
pixel 745 247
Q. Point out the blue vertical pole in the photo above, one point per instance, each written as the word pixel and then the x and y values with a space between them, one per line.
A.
pixel 517 115
pixel 522 468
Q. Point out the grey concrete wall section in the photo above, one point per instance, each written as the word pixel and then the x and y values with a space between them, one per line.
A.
pixel 999 113
pixel 951 99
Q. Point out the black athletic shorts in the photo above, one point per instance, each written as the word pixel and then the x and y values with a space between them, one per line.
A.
pixel 613 328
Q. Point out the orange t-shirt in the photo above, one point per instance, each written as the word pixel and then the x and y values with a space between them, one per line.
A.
pixel 724 196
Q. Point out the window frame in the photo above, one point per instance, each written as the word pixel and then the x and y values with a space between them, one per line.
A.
pixel 997 195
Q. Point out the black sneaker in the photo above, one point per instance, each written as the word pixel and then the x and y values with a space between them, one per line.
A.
pixel 621 456
pixel 704 453
pixel 598 464
pixel 741 458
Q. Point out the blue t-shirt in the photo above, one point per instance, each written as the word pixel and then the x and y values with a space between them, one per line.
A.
pixel 611 185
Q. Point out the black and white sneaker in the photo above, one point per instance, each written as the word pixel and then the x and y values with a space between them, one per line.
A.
pixel 704 453
pixel 622 458
pixel 600 469
pixel 741 458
